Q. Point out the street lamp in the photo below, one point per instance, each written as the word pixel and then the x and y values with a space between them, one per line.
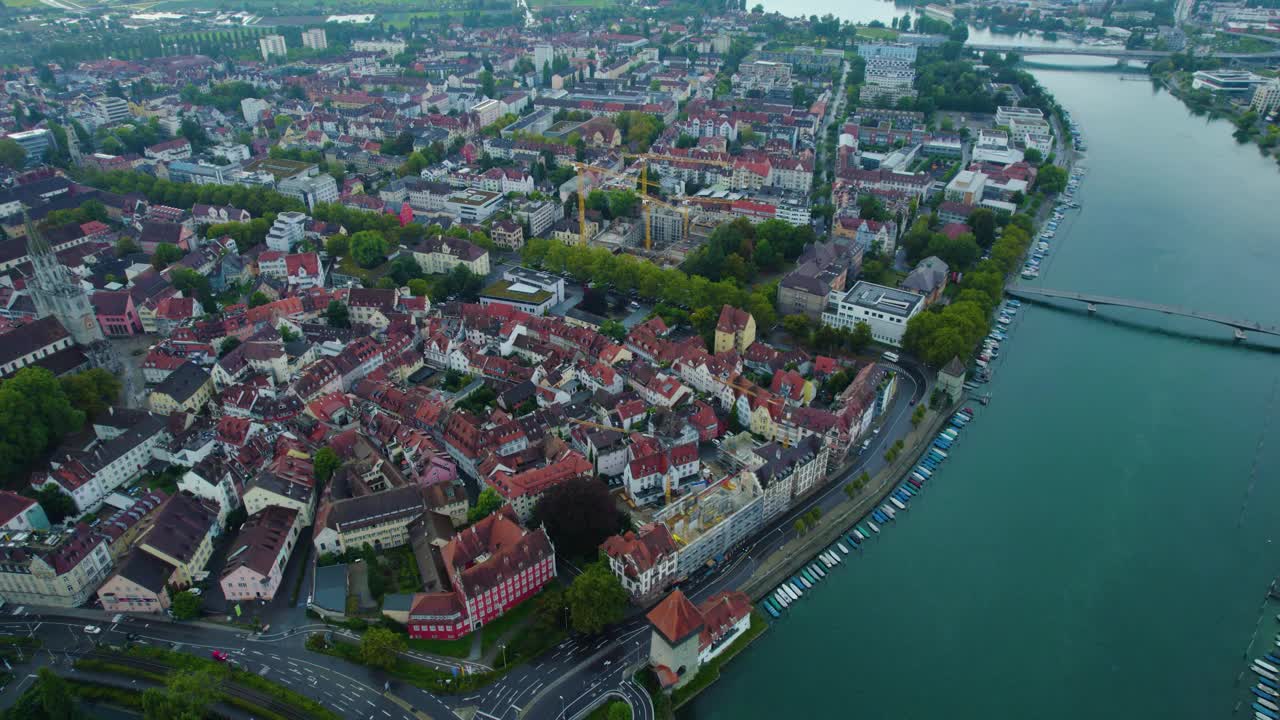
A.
pixel 561 706
pixel 504 655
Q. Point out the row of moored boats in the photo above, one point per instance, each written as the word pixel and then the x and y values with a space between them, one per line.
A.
pixel 852 540
pixel 1067 201
pixel 1266 701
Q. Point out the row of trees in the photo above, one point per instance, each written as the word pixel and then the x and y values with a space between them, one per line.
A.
pixel 37 410
pixel 627 272
pixel 257 200
pixel 954 331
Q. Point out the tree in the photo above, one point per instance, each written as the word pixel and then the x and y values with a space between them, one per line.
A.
pixel 596 599
pixel 12 155
pixel 1051 179
pixel 486 504
pixel 228 344
pixel 797 326
pixel 488 85
pixel 613 329
pixel 287 334
pixel 338 315
pixel 186 695
pixel 917 416
pixel 325 464
pixel 578 515
pixel 982 221
pixel 57 504
pixel 166 254
pixel 381 648
pixel 336 245
pixel 368 248
pixel 34 415
pixel 418 287
pixel 126 246
pixel 92 391
pixel 620 710
pixel 55 697
pixel 258 299
pixel 282 122
pixel 1033 156
pixel 860 338
pixel 186 605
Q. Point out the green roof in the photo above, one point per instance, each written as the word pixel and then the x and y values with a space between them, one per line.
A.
pixel 504 290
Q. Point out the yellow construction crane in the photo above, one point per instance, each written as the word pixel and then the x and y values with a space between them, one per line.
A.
pixel 641 183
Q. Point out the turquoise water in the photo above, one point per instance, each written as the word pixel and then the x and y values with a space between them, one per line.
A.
pixel 1097 546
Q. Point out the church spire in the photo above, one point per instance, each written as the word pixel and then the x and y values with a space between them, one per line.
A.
pixel 36 244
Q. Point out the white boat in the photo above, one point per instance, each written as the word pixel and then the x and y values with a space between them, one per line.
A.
pixel 1266 703
pixel 858 534
pixel 874 528
pixel 843 549
pixel 781 599
pixel 1267 666
pixel 898 502
pixel 889 511
pixel 814 567
pixel 1263 673
pixel 805 582
pixel 787 590
pixel 834 557
pixel 1269 690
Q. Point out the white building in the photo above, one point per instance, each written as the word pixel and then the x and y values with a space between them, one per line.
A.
pixel 1266 97
pixel 287 231
pixel 966 187
pixel 315 39
pixel 473 206
pixel 487 111
pixel 311 190
pixel 270 45
pixel 109 110
pixel 252 109
pixel 885 309
pixel 387 47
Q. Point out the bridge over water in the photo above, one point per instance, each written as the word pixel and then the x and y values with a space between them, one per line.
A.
pixel 1028 293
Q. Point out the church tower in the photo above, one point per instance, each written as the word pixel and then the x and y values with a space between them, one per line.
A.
pixel 56 291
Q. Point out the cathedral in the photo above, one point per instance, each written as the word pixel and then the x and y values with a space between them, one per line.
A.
pixel 56 291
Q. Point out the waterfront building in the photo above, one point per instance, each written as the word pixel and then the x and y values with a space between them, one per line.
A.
pixel 685 636
pixel 885 309
pixel 57 292
pixel 1266 97
pixel 645 562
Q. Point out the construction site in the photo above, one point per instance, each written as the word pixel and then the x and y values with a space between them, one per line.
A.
pixel 707 524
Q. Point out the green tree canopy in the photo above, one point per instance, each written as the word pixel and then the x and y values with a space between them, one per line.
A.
pixel 486 504
pixel 186 605
pixel 596 599
pixel 35 414
pixel 381 648
pixel 92 391
pixel 338 315
pixel 368 248
pixel 325 463
pixel 187 695
pixel 12 155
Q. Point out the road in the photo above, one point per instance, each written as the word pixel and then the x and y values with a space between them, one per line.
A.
pixel 349 690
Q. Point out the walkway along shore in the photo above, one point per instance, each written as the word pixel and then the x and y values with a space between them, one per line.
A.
pixel 800 551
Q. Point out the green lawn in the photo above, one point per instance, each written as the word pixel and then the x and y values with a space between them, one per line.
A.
pixel 877 33
pixel 602 712
pixel 494 631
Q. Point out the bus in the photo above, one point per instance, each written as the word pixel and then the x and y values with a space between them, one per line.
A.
pixel 890 356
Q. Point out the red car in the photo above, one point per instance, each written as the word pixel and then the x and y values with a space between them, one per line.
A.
pixel 219 655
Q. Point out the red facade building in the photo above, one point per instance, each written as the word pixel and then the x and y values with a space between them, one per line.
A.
pixel 492 566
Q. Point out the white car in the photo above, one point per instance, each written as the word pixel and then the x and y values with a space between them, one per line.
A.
pixel 92 629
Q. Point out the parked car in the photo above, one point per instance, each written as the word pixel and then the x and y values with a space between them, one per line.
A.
pixel 219 655
pixel 92 629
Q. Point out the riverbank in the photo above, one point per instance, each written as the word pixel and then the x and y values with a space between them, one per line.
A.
pixel 1250 127
pixel 800 551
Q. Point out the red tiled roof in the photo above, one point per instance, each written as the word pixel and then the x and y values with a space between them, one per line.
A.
pixel 675 618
